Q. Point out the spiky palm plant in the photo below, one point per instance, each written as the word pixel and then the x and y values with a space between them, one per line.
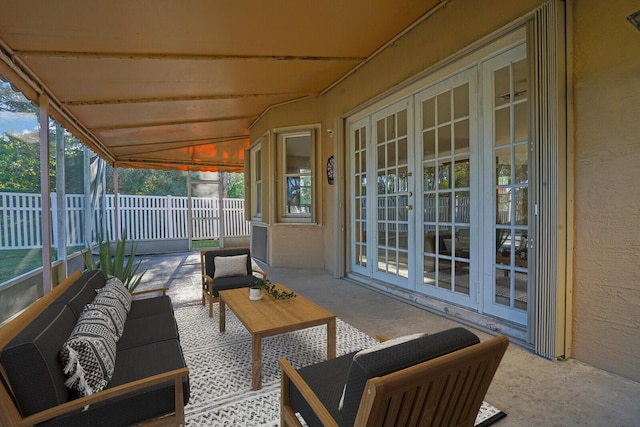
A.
pixel 114 263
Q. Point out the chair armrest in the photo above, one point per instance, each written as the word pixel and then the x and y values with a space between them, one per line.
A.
pixel 148 291
pixel 176 375
pixel 260 272
pixel 382 337
pixel 290 375
pixel 207 282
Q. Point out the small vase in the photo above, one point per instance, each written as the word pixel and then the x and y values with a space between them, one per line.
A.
pixel 255 294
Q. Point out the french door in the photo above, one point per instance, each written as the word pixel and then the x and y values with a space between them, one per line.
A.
pixel 381 158
pixel 439 190
pixel 506 151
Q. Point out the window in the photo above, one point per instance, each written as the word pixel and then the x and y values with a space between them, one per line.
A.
pixel 256 182
pixel 296 176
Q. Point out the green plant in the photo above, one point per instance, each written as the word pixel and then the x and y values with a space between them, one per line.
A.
pixel 270 289
pixel 114 264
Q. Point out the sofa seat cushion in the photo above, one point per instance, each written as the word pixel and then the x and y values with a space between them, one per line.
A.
pixel 134 364
pixel 231 283
pixel 31 360
pixel 150 306
pixel 148 330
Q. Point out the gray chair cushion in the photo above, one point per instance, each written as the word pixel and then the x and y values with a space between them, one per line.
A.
pixel 327 380
pixel 31 360
pixel 390 357
pixel 224 283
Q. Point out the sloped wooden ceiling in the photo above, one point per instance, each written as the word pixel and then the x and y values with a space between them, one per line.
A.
pixel 177 84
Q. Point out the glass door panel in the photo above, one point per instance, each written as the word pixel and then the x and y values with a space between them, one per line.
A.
pixel 359 141
pixel 507 144
pixel 393 199
pixel 444 123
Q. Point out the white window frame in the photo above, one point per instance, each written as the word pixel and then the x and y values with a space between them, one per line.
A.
pixel 281 137
pixel 257 181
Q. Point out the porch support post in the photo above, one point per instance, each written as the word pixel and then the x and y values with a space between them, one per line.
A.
pixel 116 212
pixel 45 218
pixel 61 199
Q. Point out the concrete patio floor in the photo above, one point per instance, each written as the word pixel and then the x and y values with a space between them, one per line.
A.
pixel 533 391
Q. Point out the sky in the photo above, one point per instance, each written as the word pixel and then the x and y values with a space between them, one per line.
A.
pixel 13 123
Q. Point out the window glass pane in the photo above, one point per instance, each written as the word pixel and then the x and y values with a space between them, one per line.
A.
pixel 503 201
pixel 444 107
pixel 428 113
pixel 391 154
pixel 444 175
pixel 461 132
pixel 402 151
pixel 298 149
pixel 521 164
pixel 20 236
pixel 429 177
pixel 520 78
pixel 521 131
pixel 461 101
pixel 503 127
pixel 430 207
pixel 502 84
pixel 429 144
pixel 74 154
pixel 380 131
pixel 444 140
pixel 503 166
pixel 391 127
pixel 402 123
pixel 461 172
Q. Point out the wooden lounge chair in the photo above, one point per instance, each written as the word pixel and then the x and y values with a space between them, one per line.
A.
pixel 213 281
pixel 420 380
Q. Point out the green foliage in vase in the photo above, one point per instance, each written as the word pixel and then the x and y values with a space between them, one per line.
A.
pixel 270 289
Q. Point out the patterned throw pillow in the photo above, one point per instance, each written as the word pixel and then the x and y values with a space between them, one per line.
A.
pixel 114 285
pixel 89 355
pixel 115 315
pixel 111 304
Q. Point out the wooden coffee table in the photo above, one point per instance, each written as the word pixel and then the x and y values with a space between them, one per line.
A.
pixel 269 316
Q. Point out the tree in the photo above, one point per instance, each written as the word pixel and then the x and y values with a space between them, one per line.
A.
pixel 149 182
pixel 235 185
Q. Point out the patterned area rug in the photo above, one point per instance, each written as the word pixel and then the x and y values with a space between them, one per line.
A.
pixel 220 368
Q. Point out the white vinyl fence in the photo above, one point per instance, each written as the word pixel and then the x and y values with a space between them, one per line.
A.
pixel 143 218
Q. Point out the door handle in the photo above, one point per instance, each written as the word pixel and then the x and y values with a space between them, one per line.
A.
pixel 409 207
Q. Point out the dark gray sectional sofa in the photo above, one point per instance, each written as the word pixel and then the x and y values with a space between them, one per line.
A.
pixel 150 378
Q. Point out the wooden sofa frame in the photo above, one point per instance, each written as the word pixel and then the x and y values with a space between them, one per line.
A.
pixel 9 414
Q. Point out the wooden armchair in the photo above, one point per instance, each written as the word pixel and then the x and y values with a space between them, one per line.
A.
pixel 419 380
pixel 226 269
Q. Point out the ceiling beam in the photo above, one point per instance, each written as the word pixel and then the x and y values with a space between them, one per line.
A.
pixel 182 98
pixel 187 142
pixel 173 123
pixel 182 56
